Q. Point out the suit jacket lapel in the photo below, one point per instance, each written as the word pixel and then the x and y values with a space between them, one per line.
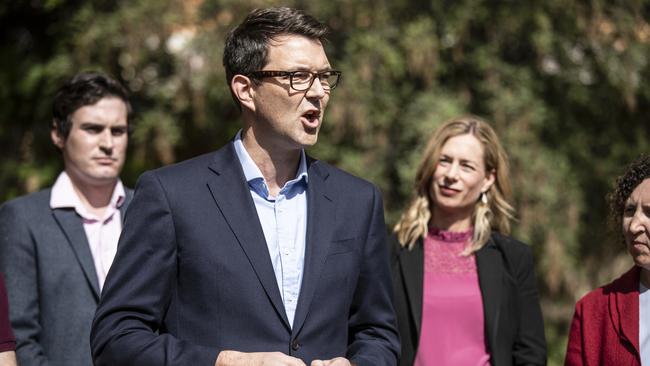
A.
pixel 127 199
pixel 230 192
pixel 320 224
pixel 490 276
pixel 72 227
pixel 412 267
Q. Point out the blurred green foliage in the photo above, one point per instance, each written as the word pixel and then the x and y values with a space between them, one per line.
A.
pixel 564 82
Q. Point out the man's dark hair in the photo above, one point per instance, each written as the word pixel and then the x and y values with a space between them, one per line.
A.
pixel 635 173
pixel 83 89
pixel 246 46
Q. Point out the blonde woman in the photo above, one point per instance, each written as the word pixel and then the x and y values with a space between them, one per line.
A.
pixel 465 292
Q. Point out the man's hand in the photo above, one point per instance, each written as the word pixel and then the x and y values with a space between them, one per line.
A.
pixel 339 361
pixel 234 358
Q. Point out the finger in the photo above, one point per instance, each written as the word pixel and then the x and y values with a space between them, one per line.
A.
pixel 277 358
pixel 317 363
pixel 292 361
pixel 339 361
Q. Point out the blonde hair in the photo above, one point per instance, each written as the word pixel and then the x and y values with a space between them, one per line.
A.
pixel 495 215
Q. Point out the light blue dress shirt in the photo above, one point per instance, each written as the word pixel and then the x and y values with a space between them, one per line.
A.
pixel 644 324
pixel 284 222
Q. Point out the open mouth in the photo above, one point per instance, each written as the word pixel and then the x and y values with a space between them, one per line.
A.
pixel 312 118
pixel 312 115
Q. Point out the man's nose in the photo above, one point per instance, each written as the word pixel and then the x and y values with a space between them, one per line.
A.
pixel 316 89
pixel 106 140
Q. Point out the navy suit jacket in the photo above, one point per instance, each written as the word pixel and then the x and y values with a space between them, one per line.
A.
pixel 193 276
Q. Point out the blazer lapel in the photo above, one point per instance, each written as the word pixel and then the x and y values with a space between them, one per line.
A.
pixel 127 199
pixel 624 307
pixel 412 267
pixel 320 223
pixel 489 263
pixel 230 192
pixel 72 227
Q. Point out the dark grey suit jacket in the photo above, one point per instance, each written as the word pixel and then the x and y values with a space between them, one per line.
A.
pixel 51 280
pixel 514 328
pixel 193 275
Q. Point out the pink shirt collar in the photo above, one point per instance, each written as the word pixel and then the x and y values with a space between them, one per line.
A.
pixel 64 196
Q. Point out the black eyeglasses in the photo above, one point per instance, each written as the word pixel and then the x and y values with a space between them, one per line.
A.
pixel 302 80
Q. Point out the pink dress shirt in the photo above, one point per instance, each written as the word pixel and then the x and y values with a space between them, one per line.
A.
pixel 452 310
pixel 103 232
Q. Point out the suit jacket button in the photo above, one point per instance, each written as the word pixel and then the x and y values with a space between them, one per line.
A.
pixel 295 345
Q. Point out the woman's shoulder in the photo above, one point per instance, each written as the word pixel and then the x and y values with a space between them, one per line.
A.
pixel 593 298
pixel 626 283
pixel 510 245
pixel 396 249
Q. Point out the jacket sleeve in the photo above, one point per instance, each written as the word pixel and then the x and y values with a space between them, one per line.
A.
pixel 530 344
pixel 574 346
pixel 374 340
pixel 139 289
pixel 7 340
pixel 19 264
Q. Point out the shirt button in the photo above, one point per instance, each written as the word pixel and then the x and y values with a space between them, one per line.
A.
pixel 295 345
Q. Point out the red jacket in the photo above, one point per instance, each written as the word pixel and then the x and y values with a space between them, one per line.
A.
pixel 605 326
pixel 7 340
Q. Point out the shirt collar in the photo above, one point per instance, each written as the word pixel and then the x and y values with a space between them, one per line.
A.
pixel 254 176
pixel 64 196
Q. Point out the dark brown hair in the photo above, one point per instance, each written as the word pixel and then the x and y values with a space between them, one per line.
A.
pixel 83 89
pixel 247 45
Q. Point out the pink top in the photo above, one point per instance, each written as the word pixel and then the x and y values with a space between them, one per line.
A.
pixel 452 310
pixel 103 232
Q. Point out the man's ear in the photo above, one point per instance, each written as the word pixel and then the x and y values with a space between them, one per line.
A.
pixel 242 88
pixel 57 139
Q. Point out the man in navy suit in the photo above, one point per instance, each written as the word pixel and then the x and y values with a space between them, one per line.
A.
pixel 255 254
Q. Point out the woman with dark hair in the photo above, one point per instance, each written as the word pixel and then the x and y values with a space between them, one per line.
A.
pixel 611 325
pixel 465 292
pixel 7 340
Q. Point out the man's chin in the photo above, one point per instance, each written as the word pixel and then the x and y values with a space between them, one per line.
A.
pixel 309 139
pixel 102 177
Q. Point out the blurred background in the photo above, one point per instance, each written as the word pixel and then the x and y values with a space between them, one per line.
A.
pixel 565 83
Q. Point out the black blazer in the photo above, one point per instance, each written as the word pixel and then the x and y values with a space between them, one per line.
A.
pixel 514 328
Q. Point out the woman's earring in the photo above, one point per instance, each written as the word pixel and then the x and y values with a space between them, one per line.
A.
pixel 484 198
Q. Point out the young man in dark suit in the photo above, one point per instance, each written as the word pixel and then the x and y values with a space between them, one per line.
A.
pixel 57 245
pixel 255 254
